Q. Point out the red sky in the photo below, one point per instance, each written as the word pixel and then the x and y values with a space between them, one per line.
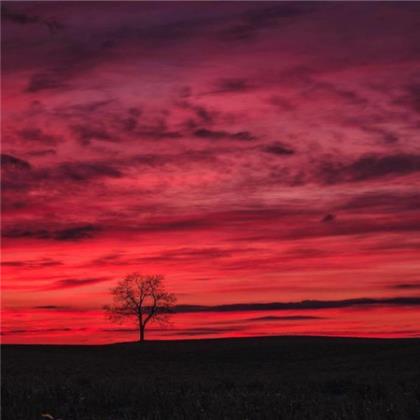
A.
pixel 250 152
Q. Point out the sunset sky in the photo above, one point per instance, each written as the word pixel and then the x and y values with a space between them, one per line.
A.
pixel 259 154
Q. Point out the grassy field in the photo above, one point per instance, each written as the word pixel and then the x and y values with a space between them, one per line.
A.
pixel 251 378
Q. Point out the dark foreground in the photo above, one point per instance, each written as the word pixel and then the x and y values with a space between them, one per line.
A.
pixel 259 378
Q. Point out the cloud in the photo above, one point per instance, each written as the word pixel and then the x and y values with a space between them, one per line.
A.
pixel 406 286
pixel 39 330
pixel 26 19
pixel 204 114
pixel 386 202
pixel 216 135
pixel 278 149
pixel 270 13
pixel 50 307
pixel 303 305
pixel 30 264
pixel 45 81
pixel 15 173
pixel 12 163
pixel 87 133
pixel 73 283
pixel 286 318
pixel 20 175
pixel 193 253
pixel 232 85
pixel 74 233
pixel 411 97
pixel 314 87
pixel 218 219
pixel 181 255
pixel 370 167
pixel 37 135
pixel 328 218
pixel 257 19
pixel 158 132
pixel 85 171
pixel 42 152
pixel 366 226
pixel 414 96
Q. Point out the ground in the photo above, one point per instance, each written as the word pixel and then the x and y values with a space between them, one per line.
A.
pixel 247 378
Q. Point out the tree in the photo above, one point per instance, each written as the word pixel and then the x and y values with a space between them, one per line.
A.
pixel 142 298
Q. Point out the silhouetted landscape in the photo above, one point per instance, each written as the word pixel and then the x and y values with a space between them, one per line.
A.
pixel 244 378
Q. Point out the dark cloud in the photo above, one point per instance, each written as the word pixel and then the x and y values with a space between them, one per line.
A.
pixel 328 218
pixel 158 132
pixel 202 113
pixel 84 171
pixel 182 255
pixel 286 318
pixel 39 330
pixel 343 227
pixel 45 81
pixel 86 108
pixel 9 162
pixel 42 152
pixel 114 258
pixel 270 13
pixel 61 308
pixel 30 264
pixel 87 133
pixel 386 136
pixel 50 307
pixel 257 19
pixel 216 135
pixel 370 167
pixel 215 220
pixel 187 224
pixel 406 286
pixel 233 85
pixel 373 125
pixel 411 97
pixel 37 135
pixel 19 175
pixel 388 202
pixel 72 283
pixel 21 18
pixel 74 233
pixel 314 87
pixel 16 173
pixel 303 305
pixel 194 253
pixel 278 149
pixel 414 96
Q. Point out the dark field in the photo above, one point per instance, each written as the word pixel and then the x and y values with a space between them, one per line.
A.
pixel 269 378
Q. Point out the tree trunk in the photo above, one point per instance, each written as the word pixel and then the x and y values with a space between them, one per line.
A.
pixel 141 331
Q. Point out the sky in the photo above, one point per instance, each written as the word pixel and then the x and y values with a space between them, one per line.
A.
pixel 263 157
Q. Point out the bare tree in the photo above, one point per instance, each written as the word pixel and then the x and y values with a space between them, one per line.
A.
pixel 142 298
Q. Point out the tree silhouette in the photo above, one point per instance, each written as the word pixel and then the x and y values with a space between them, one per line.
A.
pixel 143 298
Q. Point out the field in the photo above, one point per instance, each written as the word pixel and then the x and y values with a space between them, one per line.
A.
pixel 250 378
